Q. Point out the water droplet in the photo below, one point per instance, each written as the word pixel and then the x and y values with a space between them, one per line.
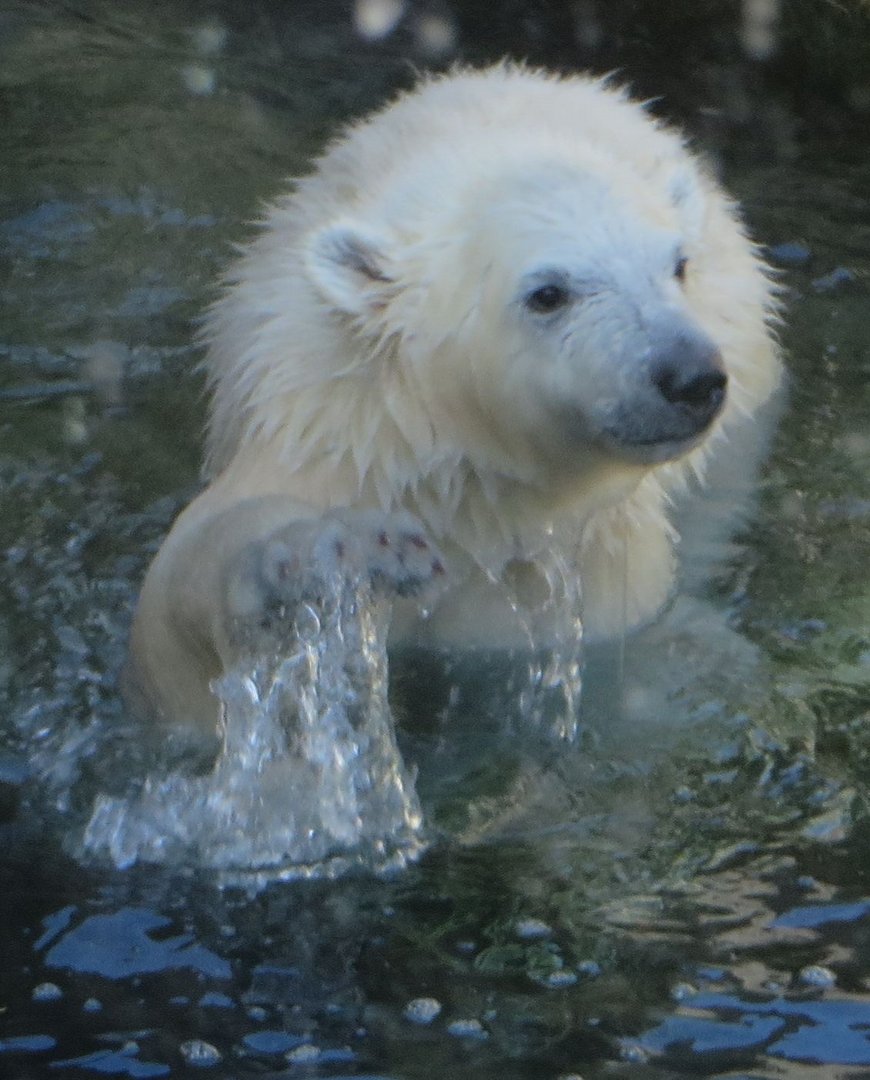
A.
pixel 467 1029
pixel 558 980
pixel 683 991
pixel 590 969
pixel 633 1053
pixel 816 975
pixel 200 1054
pixel 532 929
pixel 309 781
pixel 303 1055
pixel 422 1010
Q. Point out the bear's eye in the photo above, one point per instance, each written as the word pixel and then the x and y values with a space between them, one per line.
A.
pixel 680 268
pixel 547 298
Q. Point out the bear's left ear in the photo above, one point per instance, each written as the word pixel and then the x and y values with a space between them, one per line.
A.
pixel 347 263
pixel 687 195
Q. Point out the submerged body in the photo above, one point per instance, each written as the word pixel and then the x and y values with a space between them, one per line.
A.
pixel 500 328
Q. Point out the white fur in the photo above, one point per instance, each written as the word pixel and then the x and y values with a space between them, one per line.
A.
pixel 391 372
pixel 375 346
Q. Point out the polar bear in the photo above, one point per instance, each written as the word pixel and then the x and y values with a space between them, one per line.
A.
pixel 506 322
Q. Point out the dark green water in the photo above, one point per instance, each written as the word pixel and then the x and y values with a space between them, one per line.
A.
pixel 686 892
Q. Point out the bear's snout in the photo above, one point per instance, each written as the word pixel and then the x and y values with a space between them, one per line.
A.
pixel 678 391
pixel 697 387
pixel 688 375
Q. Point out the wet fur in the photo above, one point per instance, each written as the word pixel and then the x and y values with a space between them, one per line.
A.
pixel 356 358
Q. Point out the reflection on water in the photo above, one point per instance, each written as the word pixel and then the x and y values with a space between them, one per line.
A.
pixel 120 944
pixel 762 999
pixel 832 1031
pixel 685 888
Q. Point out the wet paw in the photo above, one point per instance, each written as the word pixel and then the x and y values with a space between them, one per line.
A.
pixel 399 558
pixel 302 562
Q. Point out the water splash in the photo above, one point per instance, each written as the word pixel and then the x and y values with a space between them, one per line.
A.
pixel 548 698
pixel 309 780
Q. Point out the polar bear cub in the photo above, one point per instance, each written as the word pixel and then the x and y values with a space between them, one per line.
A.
pixel 505 321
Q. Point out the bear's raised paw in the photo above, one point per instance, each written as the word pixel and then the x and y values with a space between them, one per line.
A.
pixel 309 561
pixel 393 551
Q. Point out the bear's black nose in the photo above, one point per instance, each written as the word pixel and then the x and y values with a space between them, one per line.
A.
pixel 697 389
pixel 694 381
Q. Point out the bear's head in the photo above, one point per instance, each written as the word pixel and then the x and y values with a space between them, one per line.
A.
pixel 547 312
pixel 514 304
pixel 505 283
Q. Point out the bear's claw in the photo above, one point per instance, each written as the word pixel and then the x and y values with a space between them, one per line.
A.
pixel 394 552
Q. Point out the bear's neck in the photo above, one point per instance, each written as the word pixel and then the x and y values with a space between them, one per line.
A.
pixel 466 504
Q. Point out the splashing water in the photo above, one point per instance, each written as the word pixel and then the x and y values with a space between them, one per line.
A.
pixel 548 698
pixel 309 780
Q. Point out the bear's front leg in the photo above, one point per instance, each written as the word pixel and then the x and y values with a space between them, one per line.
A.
pixel 228 583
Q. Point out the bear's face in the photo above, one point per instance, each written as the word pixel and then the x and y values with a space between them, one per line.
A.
pixel 552 311
pixel 600 339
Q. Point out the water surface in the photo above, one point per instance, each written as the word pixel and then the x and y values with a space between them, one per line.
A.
pixel 685 891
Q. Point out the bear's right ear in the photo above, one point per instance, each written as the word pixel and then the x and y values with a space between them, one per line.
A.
pixel 348 266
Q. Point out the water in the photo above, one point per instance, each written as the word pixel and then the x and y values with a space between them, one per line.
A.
pixel 308 779
pixel 697 853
